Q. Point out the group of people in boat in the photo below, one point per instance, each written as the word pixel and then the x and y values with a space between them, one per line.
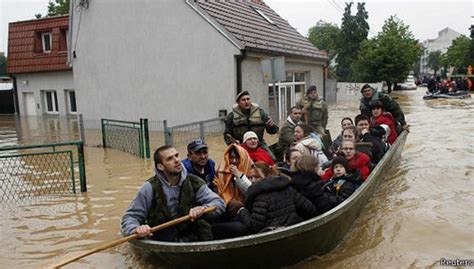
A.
pixel 438 85
pixel 257 187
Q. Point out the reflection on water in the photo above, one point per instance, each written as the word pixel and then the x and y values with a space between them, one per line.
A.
pixel 422 212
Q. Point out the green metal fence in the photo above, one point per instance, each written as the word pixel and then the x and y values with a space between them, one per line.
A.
pixel 38 170
pixel 127 136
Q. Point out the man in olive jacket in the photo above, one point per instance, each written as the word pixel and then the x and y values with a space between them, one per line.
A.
pixel 247 116
pixel 370 95
pixel 286 136
pixel 170 194
pixel 315 111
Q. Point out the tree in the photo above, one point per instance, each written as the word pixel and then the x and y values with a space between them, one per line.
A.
pixel 389 56
pixel 58 7
pixel 434 60
pixel 3 65
pixel 324 36
pixel 354 30
pixel 458 53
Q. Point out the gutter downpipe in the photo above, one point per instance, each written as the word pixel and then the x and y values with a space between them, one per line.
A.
pixel 325 72
pixel 15 97
pixel 238 60
pixel 69 49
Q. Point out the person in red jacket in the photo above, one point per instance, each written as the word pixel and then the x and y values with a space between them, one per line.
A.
pixel 379 116
pixel 357 161
pixel 256 152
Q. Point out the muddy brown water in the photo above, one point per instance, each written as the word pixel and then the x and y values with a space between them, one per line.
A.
pixel 423 211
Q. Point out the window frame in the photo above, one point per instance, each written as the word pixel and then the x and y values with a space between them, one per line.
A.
pixel 54 102
pixel 43 42
pixel 69 102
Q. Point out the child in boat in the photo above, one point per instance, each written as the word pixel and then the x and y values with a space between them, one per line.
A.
pixel 307 182
pixel 271 202
pixel 235 161
pixel 358 161
pixel 379 116
pixel 342 184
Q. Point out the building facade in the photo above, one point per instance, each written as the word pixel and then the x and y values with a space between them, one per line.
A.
pixel 38 63
pixel 185 60
pixel 441 43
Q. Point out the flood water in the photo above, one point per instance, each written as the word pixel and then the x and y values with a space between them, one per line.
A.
pixel 422 212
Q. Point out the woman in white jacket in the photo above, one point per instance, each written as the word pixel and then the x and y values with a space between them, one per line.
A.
pixel 309 143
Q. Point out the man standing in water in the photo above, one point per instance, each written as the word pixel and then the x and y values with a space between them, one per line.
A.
pixel 247 116
pixel 370 95
pixel 170 194
pixel 315 111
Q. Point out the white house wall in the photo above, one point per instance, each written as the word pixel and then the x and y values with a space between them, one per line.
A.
pixel 37 82
pixel 152 59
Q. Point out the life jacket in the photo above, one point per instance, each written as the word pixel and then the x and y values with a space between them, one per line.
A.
pixel 198 230
pixel 243 124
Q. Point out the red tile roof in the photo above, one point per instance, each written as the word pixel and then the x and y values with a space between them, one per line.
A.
pixel 25 53
pixel 253 31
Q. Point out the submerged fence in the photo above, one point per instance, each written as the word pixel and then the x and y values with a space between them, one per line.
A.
pixel 127 136
pixel 38 170
pixel 181 135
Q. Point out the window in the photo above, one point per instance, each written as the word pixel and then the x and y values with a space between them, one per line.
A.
pixel 63 40
pixel 46 41
pixel 288 92
pixel 51 100
pixel 71 101
pixel 263 15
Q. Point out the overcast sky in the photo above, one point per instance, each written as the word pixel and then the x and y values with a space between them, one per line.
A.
pixel 424 17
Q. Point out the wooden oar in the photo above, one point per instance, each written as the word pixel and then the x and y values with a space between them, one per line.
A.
pixel 131 237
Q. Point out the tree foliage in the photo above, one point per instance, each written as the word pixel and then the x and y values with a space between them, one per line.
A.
pixel 324 36
pixel 458 53
pixel 434 60
pixel 354 30
pixel 389 56
pixel 58 7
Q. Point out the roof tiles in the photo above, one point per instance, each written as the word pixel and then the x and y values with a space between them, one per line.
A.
pixel 253 31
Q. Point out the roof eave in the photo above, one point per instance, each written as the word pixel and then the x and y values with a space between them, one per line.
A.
pixel 294 55
pixel 221 29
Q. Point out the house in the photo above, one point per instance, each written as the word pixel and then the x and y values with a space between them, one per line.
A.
pixel 184 60
pixel 441 43
pixel 38 63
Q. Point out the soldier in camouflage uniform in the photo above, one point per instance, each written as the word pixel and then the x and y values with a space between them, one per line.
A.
pixel 315 111
pixel 247 116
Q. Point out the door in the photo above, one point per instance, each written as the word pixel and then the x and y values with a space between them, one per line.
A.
pixel 29 102
pixel 286 99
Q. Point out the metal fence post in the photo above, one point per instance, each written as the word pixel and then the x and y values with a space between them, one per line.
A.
pixel 168 132
pixel 146 138
pixel 104 145
pixel 82 166
pixel 201 130
pixel 81 128
pixel 140 141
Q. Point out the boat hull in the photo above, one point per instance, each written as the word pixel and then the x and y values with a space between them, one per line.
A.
pixel 447 96
pixel 283 247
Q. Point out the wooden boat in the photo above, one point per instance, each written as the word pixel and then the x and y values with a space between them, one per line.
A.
pixel 282 247
pixel 452 95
